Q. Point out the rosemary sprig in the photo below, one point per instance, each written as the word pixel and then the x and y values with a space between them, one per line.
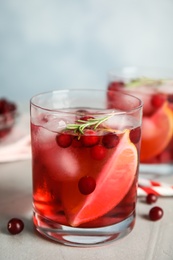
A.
pixel 144 81
pixel 91 122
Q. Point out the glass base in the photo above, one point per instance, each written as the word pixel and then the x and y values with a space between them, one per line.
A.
pixel 156 169
pixel 82 237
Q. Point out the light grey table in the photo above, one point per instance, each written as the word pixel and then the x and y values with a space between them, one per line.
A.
pixel 148 240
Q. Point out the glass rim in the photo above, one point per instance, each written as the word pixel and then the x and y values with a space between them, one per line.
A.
pixel 103 112
pixel 141 71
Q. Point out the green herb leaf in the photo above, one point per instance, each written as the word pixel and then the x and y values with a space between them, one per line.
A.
pixel 143 81
pixel 82 124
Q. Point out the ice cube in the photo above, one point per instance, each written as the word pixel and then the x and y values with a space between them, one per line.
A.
pixel 122 122
pixel 57 123
pixel 61 164
pixel 44 138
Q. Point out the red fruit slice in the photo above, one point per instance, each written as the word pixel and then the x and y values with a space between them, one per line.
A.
pixel 157 132
pixel 112 184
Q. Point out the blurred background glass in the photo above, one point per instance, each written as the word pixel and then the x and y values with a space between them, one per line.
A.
pixel 66 44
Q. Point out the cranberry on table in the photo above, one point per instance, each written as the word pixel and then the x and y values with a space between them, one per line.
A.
pixel 15 226
pixel 151 198
pixel 155 213
pixel 86 185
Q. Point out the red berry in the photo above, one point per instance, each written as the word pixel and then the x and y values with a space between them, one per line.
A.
pixel 6 106
pixel 64 140
pixel 85 118
pixel 151 198
pixel 170 98
pixel 15 226
pixel 165 157
pixel 135 135
pixel 11 107
pixel 4 132
pixel 156 213
pixel 81 112
pixel 76 142
pixel 7 116
pixel 86 185
pixel 98 152
pixel 3 105
pixel 116 85
pixel 157 100
pixel 89 138
pixel 110 140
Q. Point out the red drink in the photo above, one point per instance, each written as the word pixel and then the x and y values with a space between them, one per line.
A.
pixel 85 167
pixel 156 92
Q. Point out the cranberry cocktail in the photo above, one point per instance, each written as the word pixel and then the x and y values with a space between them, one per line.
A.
pixel 156 92
pixel 85 167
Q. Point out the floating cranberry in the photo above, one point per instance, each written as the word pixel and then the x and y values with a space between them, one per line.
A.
pixel 64 140
pixel 116 85
pixel 135 135
pixel 86 185
pixel 85 118
pixel 156 213
pixel 90 138
pixel 112 87
pixel 170 98
pixel 151 198
pixel 15 226
pixel 76 142
pixel 157 100
pixel 98 152
pixel 81 112
pixel 110 140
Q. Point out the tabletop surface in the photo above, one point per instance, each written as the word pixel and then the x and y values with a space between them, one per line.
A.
pixel 148 241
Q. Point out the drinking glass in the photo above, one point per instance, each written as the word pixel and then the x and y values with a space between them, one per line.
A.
pixel 85 164
pixel 154 86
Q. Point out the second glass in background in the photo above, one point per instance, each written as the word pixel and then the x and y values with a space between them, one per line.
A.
pixel 155 88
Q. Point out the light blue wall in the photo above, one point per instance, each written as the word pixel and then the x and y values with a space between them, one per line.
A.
pixel 47 44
